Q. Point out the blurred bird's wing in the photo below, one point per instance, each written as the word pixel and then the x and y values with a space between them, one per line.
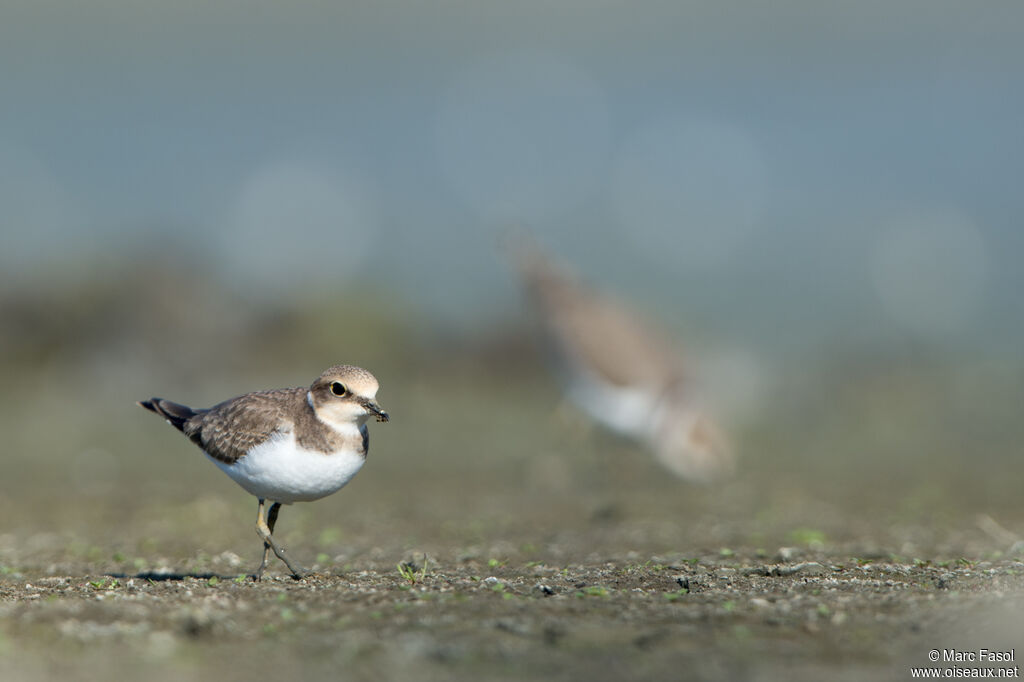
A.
pixel 596 331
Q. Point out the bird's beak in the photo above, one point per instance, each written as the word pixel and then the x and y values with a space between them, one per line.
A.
pixel 373 408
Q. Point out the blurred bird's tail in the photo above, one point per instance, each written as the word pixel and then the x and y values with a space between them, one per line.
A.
pixel 175 414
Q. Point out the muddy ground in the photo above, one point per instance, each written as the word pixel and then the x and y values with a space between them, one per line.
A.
pixel 729 615
pixel 875 516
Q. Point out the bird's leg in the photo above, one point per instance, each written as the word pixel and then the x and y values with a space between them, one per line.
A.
pixel 265 529
pixel 258 576
pixel 272 515
pixel 271 522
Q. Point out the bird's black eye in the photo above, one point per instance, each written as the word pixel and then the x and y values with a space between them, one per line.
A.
pixel 338 388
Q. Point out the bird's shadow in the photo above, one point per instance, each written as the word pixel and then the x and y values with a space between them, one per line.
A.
pixel 160 577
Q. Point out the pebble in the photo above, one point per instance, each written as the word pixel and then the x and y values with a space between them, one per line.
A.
pixel 806 568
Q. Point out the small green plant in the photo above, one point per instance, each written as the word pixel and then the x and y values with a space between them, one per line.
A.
pixel 408 571
pixel 726 552
pixel 729 606
pixel 808 536
pixel 212 582
pixel 823 610
pixel 495 563
pixel 592 591
pixel 110 584
pixel 241 578
pixel 678 594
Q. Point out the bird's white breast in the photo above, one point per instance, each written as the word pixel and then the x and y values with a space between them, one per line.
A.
pixel 281 470
pixel 624 409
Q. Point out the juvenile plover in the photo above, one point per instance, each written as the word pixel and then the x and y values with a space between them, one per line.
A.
pixel 285 445
pixel 621 372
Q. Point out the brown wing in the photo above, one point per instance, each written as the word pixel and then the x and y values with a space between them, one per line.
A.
pixel 227 431
pixel 608 337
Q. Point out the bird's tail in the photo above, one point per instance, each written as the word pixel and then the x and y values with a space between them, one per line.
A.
pixel 175 414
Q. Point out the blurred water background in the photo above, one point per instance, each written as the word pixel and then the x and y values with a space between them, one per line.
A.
pixel 822 201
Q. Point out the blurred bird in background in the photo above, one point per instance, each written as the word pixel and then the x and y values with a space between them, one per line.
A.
pixel 619 370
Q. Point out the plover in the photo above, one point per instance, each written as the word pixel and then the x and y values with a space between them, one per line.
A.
pixel 621 372
pixel 285 445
